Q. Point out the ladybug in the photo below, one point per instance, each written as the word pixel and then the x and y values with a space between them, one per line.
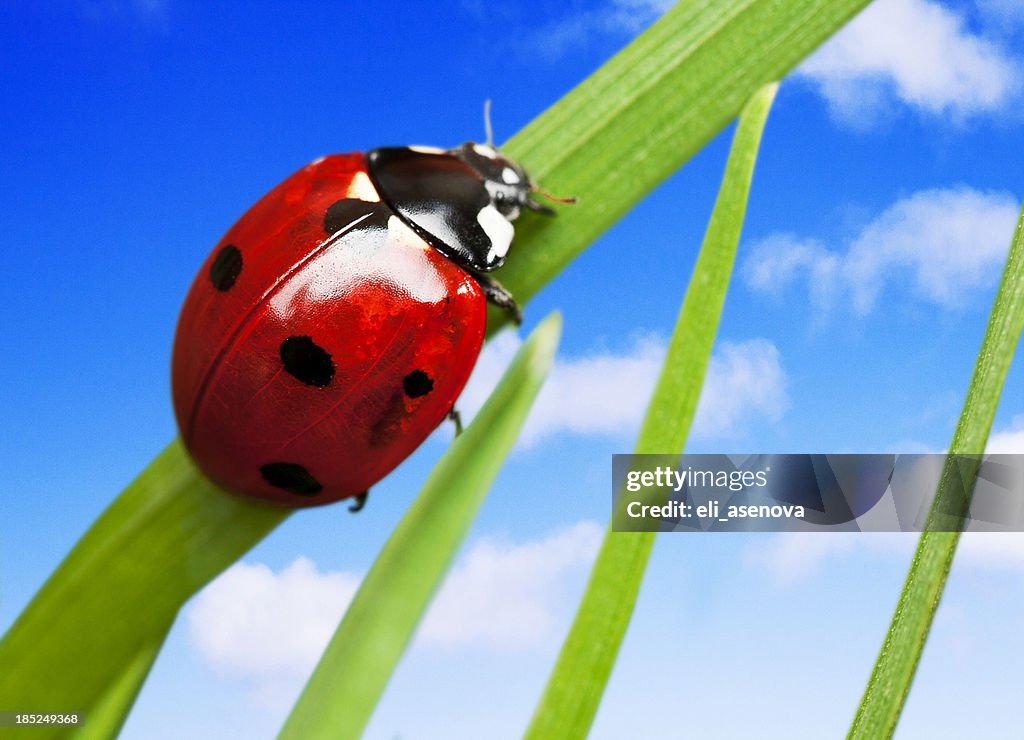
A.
pixel 332 328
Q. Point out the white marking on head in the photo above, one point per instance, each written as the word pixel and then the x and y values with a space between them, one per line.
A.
pixel 485 151
pixel 509 176
pixel 498 230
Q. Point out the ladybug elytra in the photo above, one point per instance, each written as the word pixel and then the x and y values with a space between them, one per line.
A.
pixel 332 328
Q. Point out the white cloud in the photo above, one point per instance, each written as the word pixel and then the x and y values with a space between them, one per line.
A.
pixel 606 393
pixel 603 393
pixel 269 629
pixel 952 241
pixel 744 380
pixel 792 557
pixel 1008 441
pixel 945 243
pixel 778 260
pixel 916 52
pixel 252 621
pixel 506 596
pixel 992 550
pixel 557 38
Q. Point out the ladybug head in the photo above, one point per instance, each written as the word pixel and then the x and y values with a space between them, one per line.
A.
pixel 462 201
pixel 507 183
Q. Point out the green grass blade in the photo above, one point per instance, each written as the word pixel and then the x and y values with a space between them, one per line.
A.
pixel 638 118
pixel 87 639
pixel 110 712
pixel 576 684
pixel 890 680
pixel 353 671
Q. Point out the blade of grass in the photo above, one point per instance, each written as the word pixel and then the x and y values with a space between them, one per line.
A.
pixel 890 680
pixel 355 668
pixel 93 629
pixel 643 114
pixel 577 682
pixel 109 713
pixel 609 141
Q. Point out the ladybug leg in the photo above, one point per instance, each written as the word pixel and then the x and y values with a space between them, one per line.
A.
pixel 496 294
pixel 360 502
pixel 456 417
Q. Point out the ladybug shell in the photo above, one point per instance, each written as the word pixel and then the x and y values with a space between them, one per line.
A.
pixel 322 341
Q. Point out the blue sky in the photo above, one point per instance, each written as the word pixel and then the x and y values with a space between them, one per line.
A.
pixel 136 131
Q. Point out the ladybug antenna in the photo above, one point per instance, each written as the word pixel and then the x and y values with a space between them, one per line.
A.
pixel 548 196
pixel 487 123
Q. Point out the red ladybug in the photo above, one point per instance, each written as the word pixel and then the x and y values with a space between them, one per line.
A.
pixel 332 328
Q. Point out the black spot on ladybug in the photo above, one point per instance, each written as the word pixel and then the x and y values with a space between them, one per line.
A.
pixel 343 212
pixel 417 383
pixel 226 268
pixel 307 361
pixel 291 477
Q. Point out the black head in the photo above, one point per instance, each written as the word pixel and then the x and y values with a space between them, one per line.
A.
pixel 462 201
pixel 507 183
